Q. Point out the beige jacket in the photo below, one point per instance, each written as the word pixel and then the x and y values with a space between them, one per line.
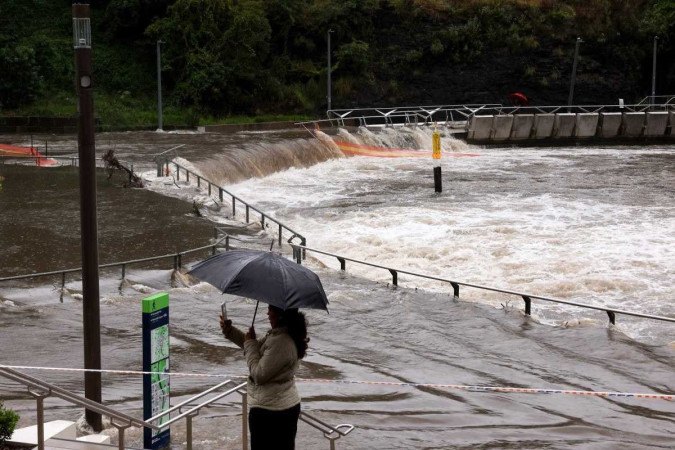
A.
pixel 272 362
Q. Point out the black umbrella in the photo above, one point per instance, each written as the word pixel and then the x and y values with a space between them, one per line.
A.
pixel 264 276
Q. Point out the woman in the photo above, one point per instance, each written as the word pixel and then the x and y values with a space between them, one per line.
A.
pixel 272 362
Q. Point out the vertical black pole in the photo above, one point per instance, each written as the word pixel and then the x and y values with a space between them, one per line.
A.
pixel 656 40
pixel 438 181
pixel 160 123
pixel 328 75
pixel 574 74
pixel 89 238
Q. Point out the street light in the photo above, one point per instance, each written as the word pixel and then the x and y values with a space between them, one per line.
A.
pixel 328 87
pixel 91 319
pixel 159 87
pixel 656 40
pixel 574 73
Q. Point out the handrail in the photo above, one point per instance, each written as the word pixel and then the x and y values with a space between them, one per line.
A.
pixel 425 115
pixel 42 390
pixel 263 216
pixel 611 312
pixel 177 263
pixel 46 389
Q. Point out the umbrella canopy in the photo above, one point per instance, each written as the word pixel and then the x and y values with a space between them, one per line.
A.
pixel 263 276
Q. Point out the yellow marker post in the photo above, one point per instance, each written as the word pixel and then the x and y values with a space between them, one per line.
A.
pixel 436 154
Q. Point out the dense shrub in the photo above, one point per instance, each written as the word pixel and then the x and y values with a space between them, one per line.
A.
pixel 8 420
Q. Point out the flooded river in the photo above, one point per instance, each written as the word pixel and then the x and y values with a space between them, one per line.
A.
pixel 592 225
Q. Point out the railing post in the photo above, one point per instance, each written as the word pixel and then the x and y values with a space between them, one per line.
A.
pixel 455 289
pixel 394 276
pixel 175 262
pixel 298 255
pixel 177 172
pixel 209 189
pixel 40 421
pixel 180 264
pixel 262 220
pixel 234 207
pixel 220 194
pixel 188 431
pixel 227 243
pixel 280 230
pixel 120 437
pixel 124 270
pixel 199 181
pixel 159 168
pixel 612 317
pixel 342 264
pixel 63 284
pixel 187 176
pixel 247 213
pixel 303 242
pixel 528 305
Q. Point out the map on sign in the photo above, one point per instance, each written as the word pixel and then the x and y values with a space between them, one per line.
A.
pixel 159 343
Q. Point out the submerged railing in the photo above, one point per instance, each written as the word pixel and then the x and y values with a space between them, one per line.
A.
pixel 40 390
pixel 527 298
pixel 211 187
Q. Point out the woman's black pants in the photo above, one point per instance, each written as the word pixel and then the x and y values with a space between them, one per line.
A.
pixel 273 430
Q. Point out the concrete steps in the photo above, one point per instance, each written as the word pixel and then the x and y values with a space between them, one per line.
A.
pixel 60 434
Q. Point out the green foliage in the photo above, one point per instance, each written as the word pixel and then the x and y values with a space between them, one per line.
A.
pixel 236 58
pixel 21 80
pixel 8 420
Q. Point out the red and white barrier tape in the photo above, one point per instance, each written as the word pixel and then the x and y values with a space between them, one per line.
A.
pixel 469 388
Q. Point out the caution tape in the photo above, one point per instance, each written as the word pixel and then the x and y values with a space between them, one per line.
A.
pixel 469 388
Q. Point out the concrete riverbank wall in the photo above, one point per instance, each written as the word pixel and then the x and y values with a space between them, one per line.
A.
pixel 606 125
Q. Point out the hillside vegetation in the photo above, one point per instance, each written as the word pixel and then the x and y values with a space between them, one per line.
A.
pixel 223 58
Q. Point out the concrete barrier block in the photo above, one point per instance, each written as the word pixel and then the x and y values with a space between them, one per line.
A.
pixel 656 123
pixel 522 126
pixel 543 126
pixel 563 125
pixel 480 127
pixel 501 127
pixel 610 122
pixel 632 124
pixel 586 125
pixel 671 123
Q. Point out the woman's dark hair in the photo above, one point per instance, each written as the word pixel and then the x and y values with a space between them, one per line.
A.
pixel 296 324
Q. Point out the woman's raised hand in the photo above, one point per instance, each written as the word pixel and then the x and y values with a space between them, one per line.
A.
pixel 250 334
pixel 225 324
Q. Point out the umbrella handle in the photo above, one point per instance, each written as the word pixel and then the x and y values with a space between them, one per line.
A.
pixel 255 312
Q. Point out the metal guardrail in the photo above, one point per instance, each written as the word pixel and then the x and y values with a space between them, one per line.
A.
pixel 527 298
pixel 73 160
pixel 448 114
pixel 657 99
pixel 176 257
pixel 222 191
pixel 40 390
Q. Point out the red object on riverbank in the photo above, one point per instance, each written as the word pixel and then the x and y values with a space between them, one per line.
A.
pixel 22 152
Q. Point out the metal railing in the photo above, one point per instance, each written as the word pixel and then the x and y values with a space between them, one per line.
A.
pixel 402 115
pixel 176 257
pixel 71 160
pixel 211 187
pixel 527 298
pixel 40 390
pixel 657 99
pixel 449 114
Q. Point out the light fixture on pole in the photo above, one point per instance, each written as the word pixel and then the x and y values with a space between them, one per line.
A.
pixel 88 226
pixel 656 40
pixel 574 73
pixel 159 87
pixel 328 86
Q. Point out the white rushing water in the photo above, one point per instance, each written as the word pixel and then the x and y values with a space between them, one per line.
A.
pixel 592 225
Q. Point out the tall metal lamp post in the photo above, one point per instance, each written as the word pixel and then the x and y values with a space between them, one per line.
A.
pixel 159 87
pixel 89 231
pixel 328 87
pixel 656 40
pixel 574 73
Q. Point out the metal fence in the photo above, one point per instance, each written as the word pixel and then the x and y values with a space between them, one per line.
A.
pixel 527 298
